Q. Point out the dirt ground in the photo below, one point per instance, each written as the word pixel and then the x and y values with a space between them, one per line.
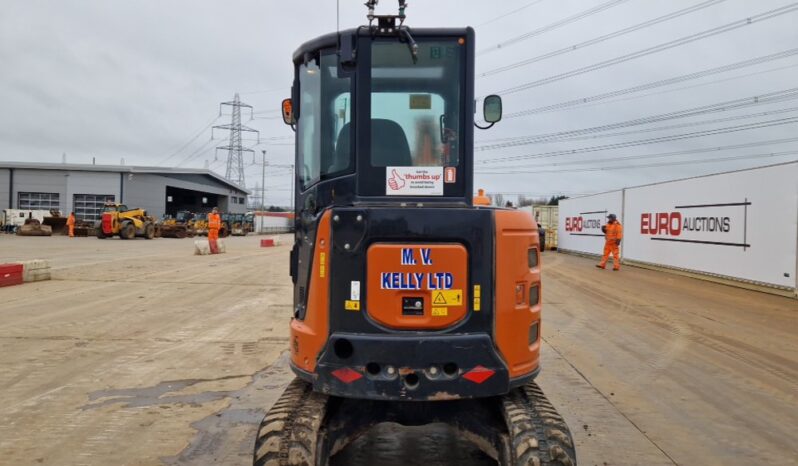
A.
pixel 139 353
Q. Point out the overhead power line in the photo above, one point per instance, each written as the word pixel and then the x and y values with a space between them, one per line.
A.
pixel 641 142
pixel 612 35
pixel 553 26
pixel 764 99
pixel 266 91
pixel 192 139
pixel 683 88
pixel 546 195
pixel 626 158
pixel 532 3
pixel 650 165
pixel 656 84
pixel 197 152
pixel 655 49
pixel 693 124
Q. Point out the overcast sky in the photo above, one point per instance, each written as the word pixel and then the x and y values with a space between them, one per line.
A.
pixel 139 79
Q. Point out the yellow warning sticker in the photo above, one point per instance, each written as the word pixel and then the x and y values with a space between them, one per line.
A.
pixel 477 291
pixel 420 101
pixel 440 312
pixel 477 303
pixel 447 297
pixel 322 263
pixel 352 305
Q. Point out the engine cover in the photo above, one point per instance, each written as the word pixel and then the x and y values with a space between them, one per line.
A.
pixel 417 286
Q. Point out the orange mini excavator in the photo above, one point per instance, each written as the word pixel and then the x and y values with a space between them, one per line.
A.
pixel 411 304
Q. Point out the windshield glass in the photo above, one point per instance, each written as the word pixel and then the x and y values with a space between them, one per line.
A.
pixel 323 125
pixel 415 107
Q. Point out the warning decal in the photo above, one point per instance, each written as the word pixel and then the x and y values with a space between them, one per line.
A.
pixel 414 181
pixel 447 298
pixel 450 175
pixel 350 305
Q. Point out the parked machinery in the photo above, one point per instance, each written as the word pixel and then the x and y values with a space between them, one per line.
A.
pixel 127 223
pixel 33 227
pixel 179 226
pixel 240 224
pixel 56 222
pixel 201 224
pixel 13 219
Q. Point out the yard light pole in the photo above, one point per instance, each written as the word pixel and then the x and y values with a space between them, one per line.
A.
pixel 263 190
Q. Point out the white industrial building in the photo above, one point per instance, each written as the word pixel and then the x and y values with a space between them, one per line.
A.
pixel 84 189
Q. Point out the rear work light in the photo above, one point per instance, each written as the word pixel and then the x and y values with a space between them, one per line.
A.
pixel 534 294
pixel 534 332
pixel 532 257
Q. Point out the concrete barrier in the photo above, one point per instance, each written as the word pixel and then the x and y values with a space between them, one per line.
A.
pixel 35 270
pixel 10 274
pixel 202 247
pixel 17 273
pixel 269 242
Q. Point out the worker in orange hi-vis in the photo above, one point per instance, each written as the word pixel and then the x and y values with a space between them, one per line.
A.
pixel 613 234
pixel 71 224
pixel 214 224
pixel 481 198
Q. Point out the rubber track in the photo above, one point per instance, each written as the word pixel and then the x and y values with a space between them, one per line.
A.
pixel 538 434
pixel 288 435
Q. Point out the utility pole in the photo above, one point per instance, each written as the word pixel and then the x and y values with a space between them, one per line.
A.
pixel 263 189
pixel 263 182
pixel 264 164
pixel 235 149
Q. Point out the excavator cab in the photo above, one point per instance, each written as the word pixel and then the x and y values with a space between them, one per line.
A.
pixel 411 304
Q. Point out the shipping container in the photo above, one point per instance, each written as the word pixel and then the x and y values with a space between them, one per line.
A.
pixel 548 217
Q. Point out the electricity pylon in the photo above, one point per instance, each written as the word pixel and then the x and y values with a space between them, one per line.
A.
pixel 235 149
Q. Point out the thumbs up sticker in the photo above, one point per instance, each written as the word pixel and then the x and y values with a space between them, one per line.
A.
pixel 396 182
pixel 414 181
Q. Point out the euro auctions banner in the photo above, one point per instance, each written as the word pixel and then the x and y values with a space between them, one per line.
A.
pixel 740 224
pixel 581 220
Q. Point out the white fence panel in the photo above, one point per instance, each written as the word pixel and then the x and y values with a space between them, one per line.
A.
pixel 272 223
pixel 581 219
pixel 741 224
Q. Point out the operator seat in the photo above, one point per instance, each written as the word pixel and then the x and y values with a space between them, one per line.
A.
pixel 394 151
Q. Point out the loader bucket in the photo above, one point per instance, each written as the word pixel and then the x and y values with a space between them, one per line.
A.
pixel 56 224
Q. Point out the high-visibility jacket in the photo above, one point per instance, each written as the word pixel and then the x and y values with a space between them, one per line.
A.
pixel 214 221
pixel 614 231
pixel 70 220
